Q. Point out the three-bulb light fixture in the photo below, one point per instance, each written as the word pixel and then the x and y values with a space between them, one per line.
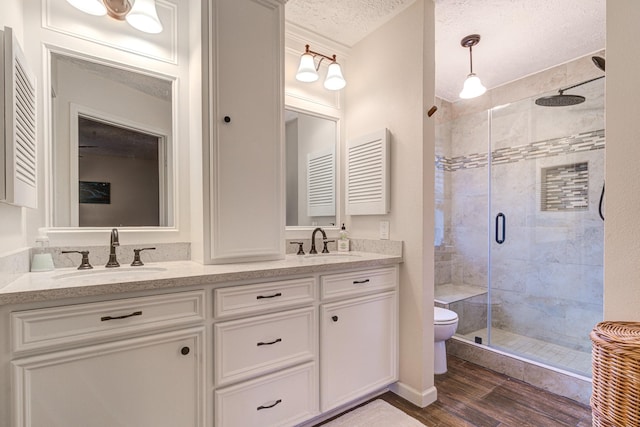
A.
pixel 308 70
pixel 472 85
pixel 140 14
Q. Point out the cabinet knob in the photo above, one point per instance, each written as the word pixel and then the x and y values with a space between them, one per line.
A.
pixel 334 318
pixel 227 119
pixel 185 351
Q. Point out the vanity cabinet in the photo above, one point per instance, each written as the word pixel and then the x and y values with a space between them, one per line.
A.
pixel 277 352
pixel 148 372
pixel 358 335
pixel 245 201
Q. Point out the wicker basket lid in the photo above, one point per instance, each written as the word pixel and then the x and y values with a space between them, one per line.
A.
pixel 621 333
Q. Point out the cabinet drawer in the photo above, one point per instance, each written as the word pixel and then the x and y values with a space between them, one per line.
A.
pixel 286 398
pixel 357 282
pixel 247 299
pixel 255 346
pixel 83 322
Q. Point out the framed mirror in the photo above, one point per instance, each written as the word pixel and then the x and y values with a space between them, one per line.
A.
pixel 112 146
pixel 312 169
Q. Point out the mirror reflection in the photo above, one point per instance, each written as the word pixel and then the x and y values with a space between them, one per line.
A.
pixel 311 169
pixel 111 146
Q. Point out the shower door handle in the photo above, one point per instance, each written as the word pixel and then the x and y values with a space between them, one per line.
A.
pixel 500 218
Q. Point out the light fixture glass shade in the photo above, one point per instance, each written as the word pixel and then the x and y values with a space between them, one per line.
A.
pixel 472 87
pixel 144 17
pixel 307 70
pixel 92 7
pixel 334 80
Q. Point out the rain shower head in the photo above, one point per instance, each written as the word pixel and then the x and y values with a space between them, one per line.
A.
pixel 560 100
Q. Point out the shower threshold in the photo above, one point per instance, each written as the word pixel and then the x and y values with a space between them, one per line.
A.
pixel 561 357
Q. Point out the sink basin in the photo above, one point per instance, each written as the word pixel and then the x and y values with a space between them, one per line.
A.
pixel 122 272
pixel 338 256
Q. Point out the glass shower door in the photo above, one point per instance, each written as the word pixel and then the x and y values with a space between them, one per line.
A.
pixel 545 263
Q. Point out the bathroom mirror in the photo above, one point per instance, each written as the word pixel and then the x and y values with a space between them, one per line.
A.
pixel 111 146
pixel 311 169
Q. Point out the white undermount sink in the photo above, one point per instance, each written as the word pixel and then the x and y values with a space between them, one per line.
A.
pixel 333 256
pixel 123 272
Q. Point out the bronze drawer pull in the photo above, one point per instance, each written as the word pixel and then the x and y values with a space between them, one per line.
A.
pixel 360 282
pixel 269 406
pixel 269 343
pixel 279 294
pixel 135 313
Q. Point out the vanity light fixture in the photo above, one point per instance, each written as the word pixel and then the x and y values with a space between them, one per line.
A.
pixel 472 85
pixel 308 70
pixel 141 15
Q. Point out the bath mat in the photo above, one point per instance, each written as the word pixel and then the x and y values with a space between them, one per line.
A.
pixel 375 414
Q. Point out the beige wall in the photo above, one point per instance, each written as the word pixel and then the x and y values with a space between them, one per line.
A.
pixel 391 74
pixel 622 205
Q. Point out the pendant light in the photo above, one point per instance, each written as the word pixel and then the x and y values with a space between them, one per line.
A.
pixel 308 70
pixel 472 87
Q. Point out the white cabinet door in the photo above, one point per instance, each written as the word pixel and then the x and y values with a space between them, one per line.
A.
pixel 358 342
pixel 151 381
pixel 246 158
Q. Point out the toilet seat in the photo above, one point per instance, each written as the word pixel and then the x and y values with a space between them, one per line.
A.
pixel 442 316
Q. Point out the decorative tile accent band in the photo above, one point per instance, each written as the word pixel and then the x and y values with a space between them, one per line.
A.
pixel 586 141
pixel 565 187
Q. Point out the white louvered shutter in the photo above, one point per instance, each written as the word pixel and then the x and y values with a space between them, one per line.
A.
pixel 368 174
pixel 321 183
pixel 19 126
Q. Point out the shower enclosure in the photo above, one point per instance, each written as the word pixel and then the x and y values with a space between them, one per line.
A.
pixel 519 241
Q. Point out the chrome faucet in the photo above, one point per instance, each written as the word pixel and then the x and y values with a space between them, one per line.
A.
pixel 313 240
pixel 113 261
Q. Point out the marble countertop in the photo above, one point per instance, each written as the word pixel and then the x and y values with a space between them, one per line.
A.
pixel 70 282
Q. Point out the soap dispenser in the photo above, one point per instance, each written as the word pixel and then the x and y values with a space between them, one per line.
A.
pixel 42 261
pixel 343 241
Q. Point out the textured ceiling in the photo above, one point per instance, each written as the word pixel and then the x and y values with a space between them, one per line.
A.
pixel 343 21
pixel 519 37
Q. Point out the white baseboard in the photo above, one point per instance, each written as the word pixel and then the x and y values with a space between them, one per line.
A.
pixel 421 399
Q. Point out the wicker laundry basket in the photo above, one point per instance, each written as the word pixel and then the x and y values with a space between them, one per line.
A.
pixel 615 401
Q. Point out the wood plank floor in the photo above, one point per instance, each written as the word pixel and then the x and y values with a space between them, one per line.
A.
pixel 469 395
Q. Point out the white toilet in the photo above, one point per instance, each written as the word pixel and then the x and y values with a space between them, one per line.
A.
pixel 445 323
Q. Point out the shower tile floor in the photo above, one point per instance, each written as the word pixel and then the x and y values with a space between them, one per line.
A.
pixel 537 350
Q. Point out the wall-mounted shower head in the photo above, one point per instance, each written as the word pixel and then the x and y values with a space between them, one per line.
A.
pixel 562 100
pixel 598 61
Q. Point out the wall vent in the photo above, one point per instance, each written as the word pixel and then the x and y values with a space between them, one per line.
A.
pixel 368 175
pixel 20 162
pixel 321 183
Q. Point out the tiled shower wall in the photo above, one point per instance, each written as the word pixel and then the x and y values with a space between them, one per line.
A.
pixel 547 276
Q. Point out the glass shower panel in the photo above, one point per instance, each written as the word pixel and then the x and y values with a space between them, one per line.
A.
pixel 461 199
pixel 545 262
